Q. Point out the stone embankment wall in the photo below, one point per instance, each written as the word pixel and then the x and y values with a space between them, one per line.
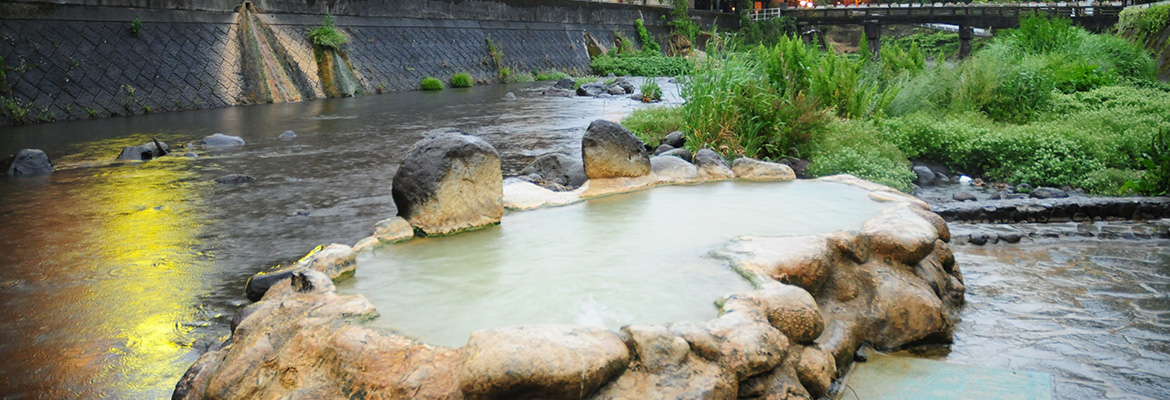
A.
pixel 73 59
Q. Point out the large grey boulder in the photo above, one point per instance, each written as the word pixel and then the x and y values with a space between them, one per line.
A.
pixel 673 169
pixel 712 166
pixel 609 150
pixel 27 162
pixel 449 182
pixel 145 151
pixel 540 361
pixel 925 177
pixel 222 140
pixel 555 171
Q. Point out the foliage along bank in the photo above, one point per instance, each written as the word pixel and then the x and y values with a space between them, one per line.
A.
pixel 1047 104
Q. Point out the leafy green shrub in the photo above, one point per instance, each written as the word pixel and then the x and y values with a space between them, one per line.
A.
pixel 1155 180
pixel 640 65
pixel 136 25
pixel 651 92
pixel 854 147
pixel 1039 34
pixel 652 124
pixel 1143 23
pixel 430 83
pixel 622 45
pixel 680 20
pixel 327 36
pixel 648 42
pixel 552 75
pixel 461 80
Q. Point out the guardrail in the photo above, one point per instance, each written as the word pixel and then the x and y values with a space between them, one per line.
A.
pixel 765 14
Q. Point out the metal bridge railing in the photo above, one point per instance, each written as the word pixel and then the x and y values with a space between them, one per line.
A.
pixel 766 13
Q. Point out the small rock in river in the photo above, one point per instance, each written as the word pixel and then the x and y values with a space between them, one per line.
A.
pixel 235 179
pixel 963 196
pixel 27 162
pixel 288 135
pixel 510 96
pixel 222 140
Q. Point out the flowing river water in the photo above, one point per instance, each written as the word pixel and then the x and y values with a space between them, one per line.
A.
pixel 118 274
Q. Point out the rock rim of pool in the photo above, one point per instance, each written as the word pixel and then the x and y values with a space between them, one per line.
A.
pixel 891 283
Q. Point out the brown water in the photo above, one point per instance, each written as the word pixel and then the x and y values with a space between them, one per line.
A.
pixel 117 274
pixel 1095 315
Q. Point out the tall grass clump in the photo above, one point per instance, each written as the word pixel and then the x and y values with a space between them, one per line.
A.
pixel 550 75
pixel 431 83
pixel 651 92
pixel 327 36
pixel 641 64
pixel 461 80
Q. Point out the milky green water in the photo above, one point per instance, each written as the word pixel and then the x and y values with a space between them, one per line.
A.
pixel 637 258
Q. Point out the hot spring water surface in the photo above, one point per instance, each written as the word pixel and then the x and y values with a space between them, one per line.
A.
pixel 637 258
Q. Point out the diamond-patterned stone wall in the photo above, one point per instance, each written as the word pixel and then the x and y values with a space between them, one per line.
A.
pixel 59 68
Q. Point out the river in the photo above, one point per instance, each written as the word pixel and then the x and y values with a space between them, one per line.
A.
pixel 118 274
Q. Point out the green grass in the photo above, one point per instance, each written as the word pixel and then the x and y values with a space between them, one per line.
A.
pixel 430 83
pixel 462 80
pixel 551 75
pixel 654 123
pixel 327 36
pixel 651 92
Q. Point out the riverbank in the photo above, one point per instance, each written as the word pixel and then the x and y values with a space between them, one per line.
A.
pixel 83 59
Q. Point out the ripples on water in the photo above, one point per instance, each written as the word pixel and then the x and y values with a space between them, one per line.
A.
pixel 1096 315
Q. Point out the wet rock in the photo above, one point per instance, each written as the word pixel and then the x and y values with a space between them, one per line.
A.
pixel 662 148
pixel 510 96
pixel 615 90
pixel 556 172
pixel 712 166
pixel 790 309
pixel 559 92
pixel 191 155
pixel 27 162
pixel 393 230
pixel 1048 193
pixel 235 179
pixel 995 196
pixel 143 152
pixel 910 312
pixel 756 170
pixel 565 83
pixel 804 261
pixel 335 261
pixel 609 150
pixel 1010 237
pixel 673 169
pixel 860 356
pixel 815 369
pixel 680 153
pixel 925 177
pixel 657 349
pixel 695 378
pixel 222 140
pixel 798 166
pixel 626 87
pixel 899 235
pixel 449 182
pixel 963 196
pixel 542 361
pixel 675 139
pixel 288 135
pixel 592 89
pixel 748 343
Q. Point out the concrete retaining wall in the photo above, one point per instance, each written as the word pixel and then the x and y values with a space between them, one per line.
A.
pixel 71 59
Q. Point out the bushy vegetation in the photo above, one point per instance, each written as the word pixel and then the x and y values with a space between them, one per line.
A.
pixel 648 42
pixel 1048 104
pixel 767 32
pixel 1144 23
pixel 430 83
pixel 327 36
pixel 462 80
pixel 640 64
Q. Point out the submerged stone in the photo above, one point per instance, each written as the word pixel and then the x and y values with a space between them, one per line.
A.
pixel 143 152
pixel 27 162
pixel 222 140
